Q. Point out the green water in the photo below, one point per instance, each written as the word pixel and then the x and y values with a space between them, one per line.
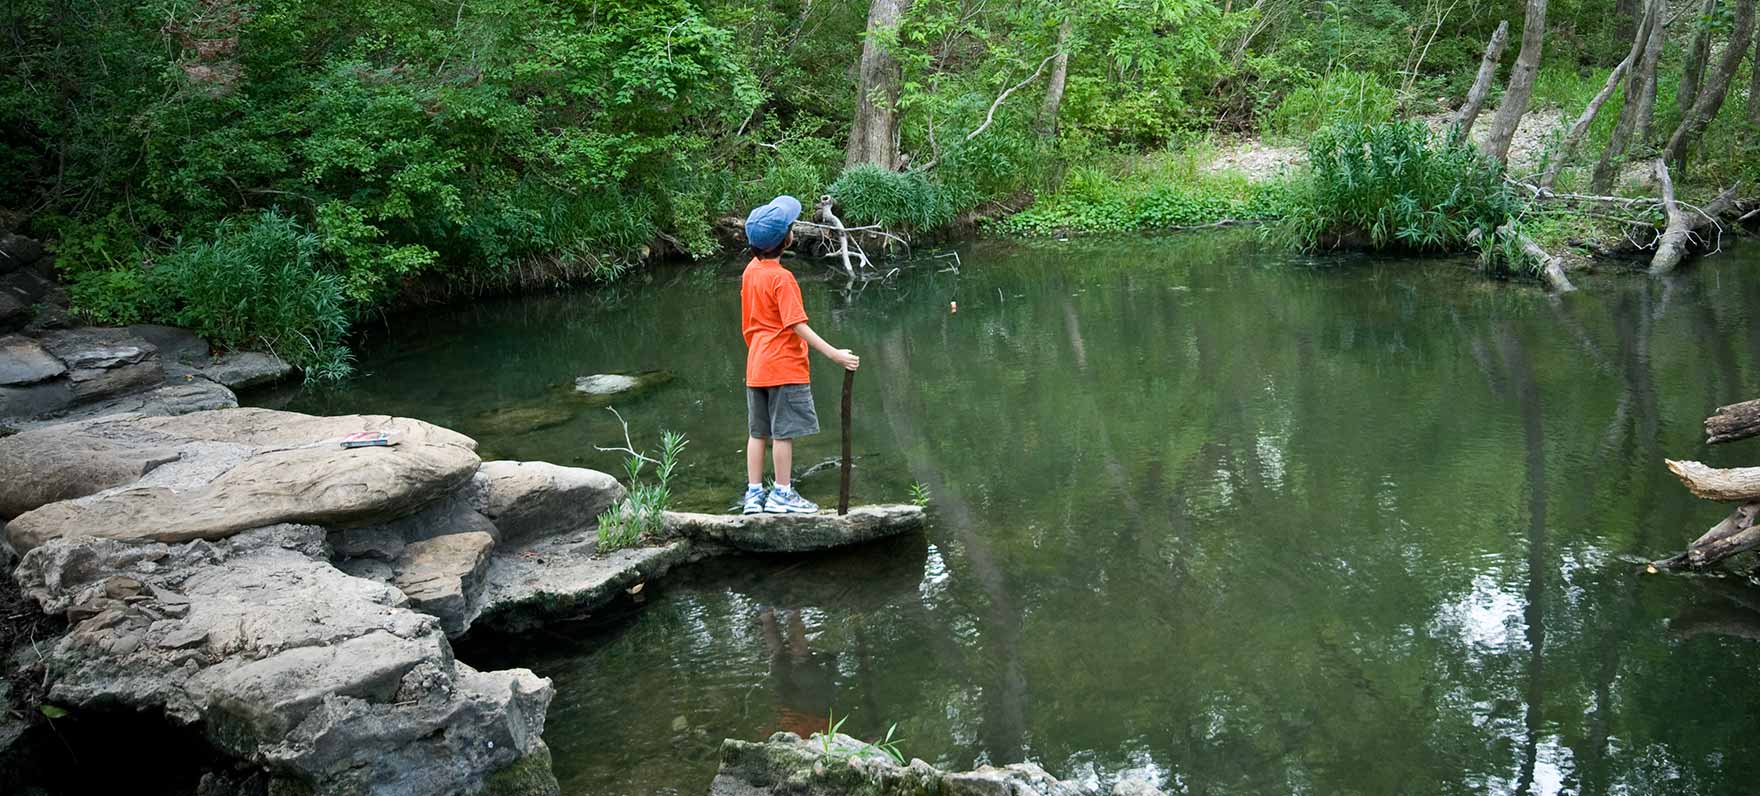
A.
pixel 1248 522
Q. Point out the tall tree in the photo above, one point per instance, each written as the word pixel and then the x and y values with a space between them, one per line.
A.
pixel 1521 83
pixel 1059 77
pixel 1648 42
pixel 1710 98
pixel 1482 83
pixel 873 138
pixel 1754 86
pixel 1698 53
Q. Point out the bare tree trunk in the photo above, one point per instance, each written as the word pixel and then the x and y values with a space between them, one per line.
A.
pixel 1574 137
pixel 1521 83
pixel 1678 235
pixel 1059 76
pixel 1652 56
pixel 1711 96
pixel 1647 44
pixel 1698 53
pixel 1482 83
pixel 1754 86
pixel 873 138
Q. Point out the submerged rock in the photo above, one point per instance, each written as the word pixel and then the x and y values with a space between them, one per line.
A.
pixel 787 764
pixel 603 385
pixel 521 419
pixel 282 660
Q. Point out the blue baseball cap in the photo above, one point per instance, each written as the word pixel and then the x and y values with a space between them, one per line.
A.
pixel 767 226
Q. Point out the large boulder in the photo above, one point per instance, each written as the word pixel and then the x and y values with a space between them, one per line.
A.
pixel 566 577
pixel 23 361
pixel 102 362
pixel 531 499
pixel 443 577
pixel 241 370
pixel 282 660
pixel 238 469
pixel 177 396
pixel 797 533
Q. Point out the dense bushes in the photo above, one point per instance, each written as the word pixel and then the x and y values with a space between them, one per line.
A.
pixel 1343 97
pixel 1397 186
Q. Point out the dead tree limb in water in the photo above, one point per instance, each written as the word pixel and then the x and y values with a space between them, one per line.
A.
pixel 1521 83
pixel 1735 534
pixel 1574 137
pixel 1677 237
pixel 1727 484
pixel 1733 422
pixel 1550 269
pixel 1639 84
pixel 1716 87
pixel 1482 84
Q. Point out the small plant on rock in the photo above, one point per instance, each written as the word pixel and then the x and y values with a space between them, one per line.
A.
pixel 642 514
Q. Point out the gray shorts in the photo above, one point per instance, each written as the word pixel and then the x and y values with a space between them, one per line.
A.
pixel 781 412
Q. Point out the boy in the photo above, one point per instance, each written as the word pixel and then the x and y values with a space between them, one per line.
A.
pixel 779 399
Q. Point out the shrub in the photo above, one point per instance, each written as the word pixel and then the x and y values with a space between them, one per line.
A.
pixel 258 284
pixel 1339 98
pixel 906 200
pixel 1396 186
pixel 642 514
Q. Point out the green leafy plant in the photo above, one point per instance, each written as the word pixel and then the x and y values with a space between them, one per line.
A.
pixel 642 514
pixel 887 746
pixel 919 493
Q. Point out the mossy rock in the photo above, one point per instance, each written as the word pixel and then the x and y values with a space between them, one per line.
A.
pixel 601 389
pixel 510 420
pixel 527 776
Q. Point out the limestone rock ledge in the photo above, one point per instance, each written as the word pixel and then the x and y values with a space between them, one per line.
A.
pixel 329 681
pixel 787 765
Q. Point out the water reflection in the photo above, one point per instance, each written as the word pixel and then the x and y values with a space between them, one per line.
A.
pixel 1254 525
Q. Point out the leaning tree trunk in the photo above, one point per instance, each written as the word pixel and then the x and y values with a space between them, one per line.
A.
pixel 873 138
pixel 1059 76
pixel 1754 86
pixel 1482 83
pixel 1574 136
pixel 1648 42
pixel 1677 236
pixel 1698 53
pixel 1652 56
pixel 1521 83
pixel 1711 96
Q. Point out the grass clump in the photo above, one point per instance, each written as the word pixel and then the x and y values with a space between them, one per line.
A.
pixel 1396 186
pixel 642 515
pixel 1165 191
pixel 896 200
pixel 1344 97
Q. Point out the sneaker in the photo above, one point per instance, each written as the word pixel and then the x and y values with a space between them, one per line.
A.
pixel 784 500
pixel 753 502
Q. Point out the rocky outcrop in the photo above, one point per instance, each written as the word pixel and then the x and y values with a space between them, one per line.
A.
pixel 788 765
pixel 241 572
pixel 328 681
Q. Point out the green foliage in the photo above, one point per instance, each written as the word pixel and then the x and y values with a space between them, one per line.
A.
pixel 1343 97
pixel 895 200
pixel 919 494
pixel 1396 186
pixel 1146 194
pixel 887 746
pixel 257 284
pixel 642 515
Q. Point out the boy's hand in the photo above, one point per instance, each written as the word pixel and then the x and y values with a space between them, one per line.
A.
pixel 847 359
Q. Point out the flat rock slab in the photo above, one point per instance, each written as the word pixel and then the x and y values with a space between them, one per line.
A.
pixel 235 469
pixel 559 578
pixel 797 533
pixel 175 397
pixel 23 361
pixel 443 576
pixel 243 370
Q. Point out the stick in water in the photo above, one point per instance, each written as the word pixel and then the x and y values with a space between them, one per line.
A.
pixel 849 381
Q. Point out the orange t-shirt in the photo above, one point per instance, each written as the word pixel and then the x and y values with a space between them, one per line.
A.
pixel 770 306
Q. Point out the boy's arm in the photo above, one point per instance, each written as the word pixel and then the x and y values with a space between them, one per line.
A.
pixel 841 356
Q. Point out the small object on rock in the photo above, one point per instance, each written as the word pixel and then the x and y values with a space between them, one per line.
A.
pixel 368 439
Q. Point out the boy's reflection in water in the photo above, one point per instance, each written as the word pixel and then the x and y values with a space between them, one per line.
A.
pixel 803 681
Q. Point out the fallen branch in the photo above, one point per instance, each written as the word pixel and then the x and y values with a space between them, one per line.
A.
pixel 1679 234
pixel 1550 270
pixel 1732 484
pixel 1733 422
pixel 629 446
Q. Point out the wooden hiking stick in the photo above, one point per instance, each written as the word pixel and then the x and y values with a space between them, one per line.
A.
pixel 849 382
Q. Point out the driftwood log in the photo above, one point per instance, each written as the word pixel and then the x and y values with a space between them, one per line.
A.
pixel 1733 422
pixel 1738 532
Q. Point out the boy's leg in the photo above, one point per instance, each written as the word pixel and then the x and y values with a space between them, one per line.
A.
pixel 754 460
pixel 783 455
